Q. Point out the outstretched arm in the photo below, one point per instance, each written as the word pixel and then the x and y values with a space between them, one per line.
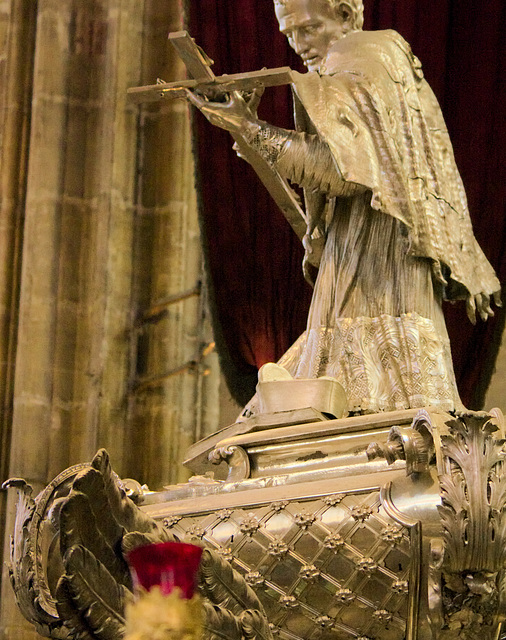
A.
pixel 301 158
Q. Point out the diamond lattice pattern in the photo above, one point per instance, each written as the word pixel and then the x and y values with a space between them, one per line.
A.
pixel 335 567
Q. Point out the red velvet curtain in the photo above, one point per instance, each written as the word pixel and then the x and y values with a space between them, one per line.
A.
pixel 254 259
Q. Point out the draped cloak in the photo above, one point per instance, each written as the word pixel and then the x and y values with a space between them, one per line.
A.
pixel 399 244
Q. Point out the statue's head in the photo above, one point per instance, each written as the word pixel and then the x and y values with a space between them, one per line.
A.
pixel 313 26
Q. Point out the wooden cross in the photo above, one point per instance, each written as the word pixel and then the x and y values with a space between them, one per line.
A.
pixel 198 65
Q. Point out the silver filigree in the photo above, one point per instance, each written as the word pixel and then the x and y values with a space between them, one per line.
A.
pixel 224 514
pixel 250 525
pixel 367 565
pixel 290 602
pixel 254 578
pixel 309 572
pixel 392 534
pixel 304 519
pixel 277 549
pixel 345 595
pixel 170 521
pixel 334 542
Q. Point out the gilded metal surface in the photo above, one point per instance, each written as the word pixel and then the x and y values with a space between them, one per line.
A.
pixel 473 515
pixel 323 394
pixel 336 565
pixel 237 460
pixel 35 560
pixel 467 558
pixel 410 550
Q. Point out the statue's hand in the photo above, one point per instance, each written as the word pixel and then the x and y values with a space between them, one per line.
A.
pixel 480 303
pixel 233 115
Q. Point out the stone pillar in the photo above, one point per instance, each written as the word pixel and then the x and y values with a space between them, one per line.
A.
pixel 109 343
pixel 72 360
pixel 17 39
pixel 175 391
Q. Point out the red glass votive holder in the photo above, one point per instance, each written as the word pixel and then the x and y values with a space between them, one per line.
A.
pixel 166 565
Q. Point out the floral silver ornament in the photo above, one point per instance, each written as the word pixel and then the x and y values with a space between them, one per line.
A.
pixel 325 622
pixel 345 595
pixel 195 532
pixel 309 572
pixel 392 534
pixel 333 500
pixel 170 521
pixel 400 586
pixel 383 616
pixel 226 553
pixel 290 602
pixel 250 525
pixel 254 578
pixel 367 565
pixel 278 549
pixel 361 514
pixel 223 514
pixel 279 505
pixel 304 519
pixel 334 542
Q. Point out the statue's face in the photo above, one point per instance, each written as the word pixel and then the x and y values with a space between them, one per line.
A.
pixel 312 27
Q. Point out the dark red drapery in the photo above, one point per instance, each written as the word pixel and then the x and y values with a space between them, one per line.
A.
pixel 254 259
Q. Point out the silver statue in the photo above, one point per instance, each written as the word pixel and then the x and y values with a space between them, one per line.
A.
pixel 389 526
pixel 387 218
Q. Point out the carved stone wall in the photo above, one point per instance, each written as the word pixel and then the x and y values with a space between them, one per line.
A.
pixel 103 332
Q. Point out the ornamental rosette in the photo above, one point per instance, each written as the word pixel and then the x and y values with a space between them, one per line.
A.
pixel 304 519
pixel 367 565
pixel 279 505
pixel 195 532
pixel 223 514
pixel 334 499
pixel 290 602
pixel 254 578
pixel 361 514
pixel 345 595
pixel 325 622
pixel 400 586
pixel 278 549
pixel 391 534
pixel 309 572
pixel 334 542
pixel 383 616
pixel 250 525
pixel 226 553
pixel 170 521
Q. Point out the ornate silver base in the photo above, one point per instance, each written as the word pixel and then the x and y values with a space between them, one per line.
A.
pixel 388 527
